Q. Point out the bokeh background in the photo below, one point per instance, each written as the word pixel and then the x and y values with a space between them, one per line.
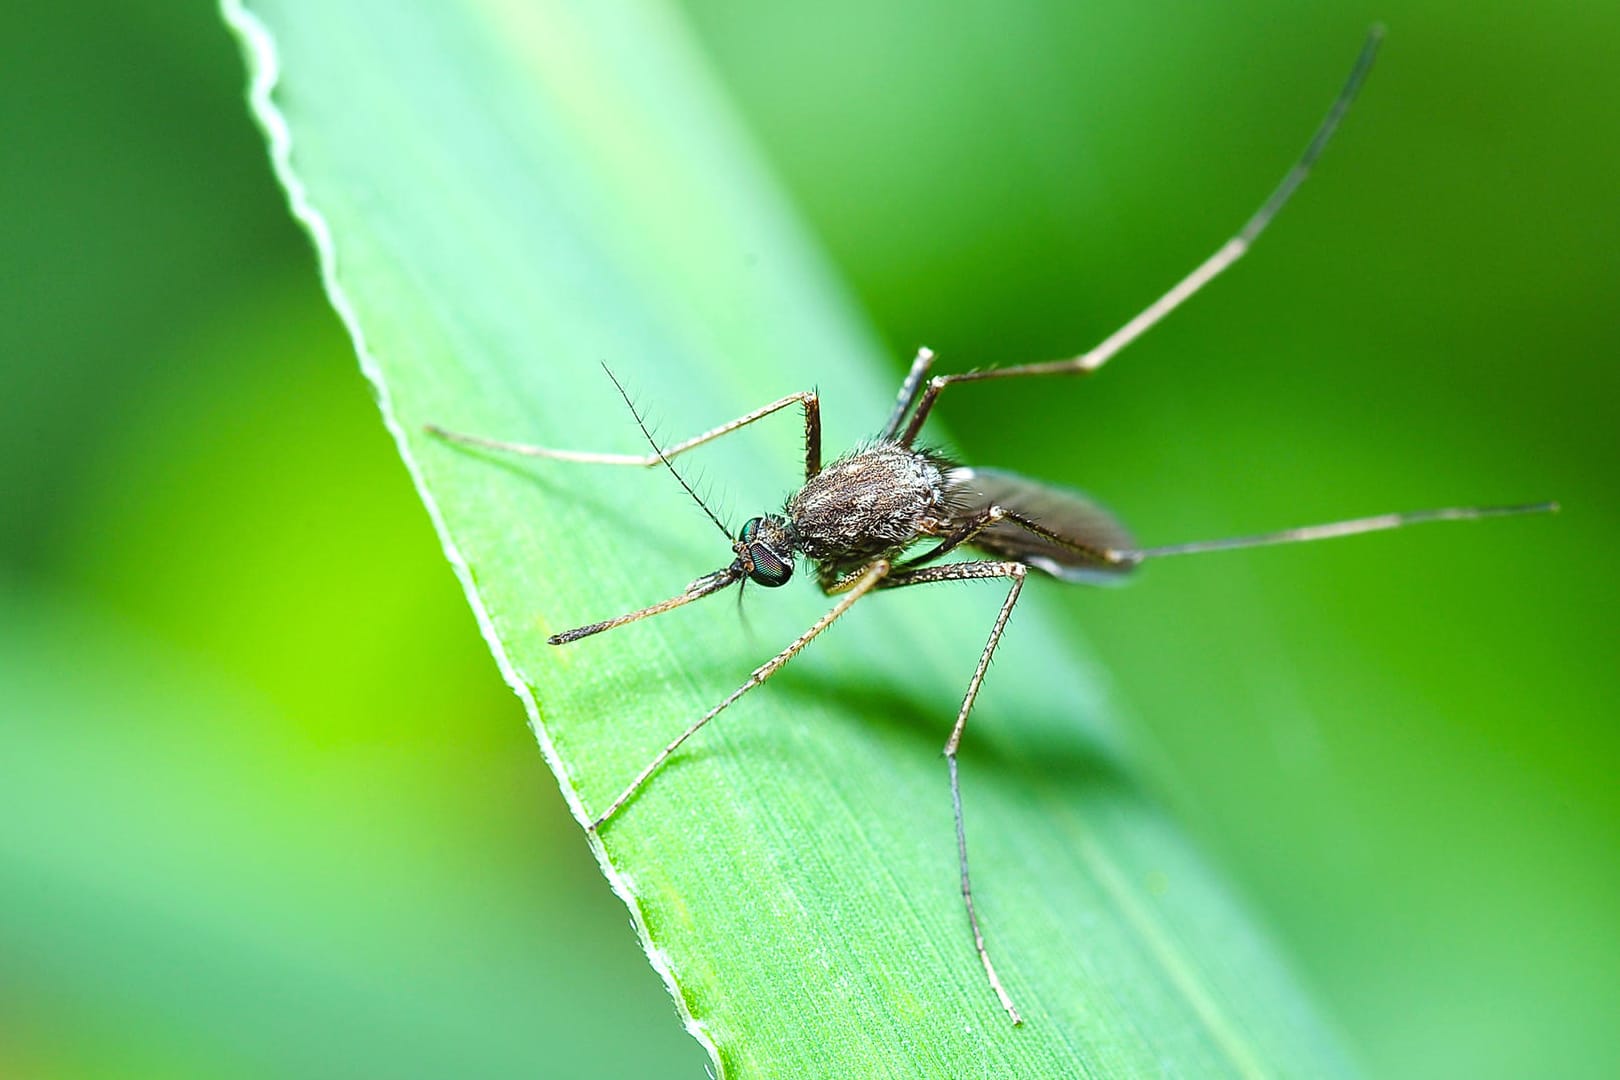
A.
pixel 266 808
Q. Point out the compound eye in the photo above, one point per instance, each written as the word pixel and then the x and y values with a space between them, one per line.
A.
pixel 769 569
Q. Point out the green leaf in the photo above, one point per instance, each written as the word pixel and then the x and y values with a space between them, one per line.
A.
pixel 506 195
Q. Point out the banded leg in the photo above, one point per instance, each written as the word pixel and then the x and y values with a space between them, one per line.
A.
pixel 962 572
pixel 1229 253
pixel 812 438
pixel 853 587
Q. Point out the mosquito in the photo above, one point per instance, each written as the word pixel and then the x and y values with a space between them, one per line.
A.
pixel 860 519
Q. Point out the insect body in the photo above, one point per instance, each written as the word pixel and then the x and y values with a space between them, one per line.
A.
pixel 871 503
pixel 887 514
pixel 880 499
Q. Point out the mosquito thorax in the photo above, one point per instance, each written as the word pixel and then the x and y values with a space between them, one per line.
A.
pixel 765 549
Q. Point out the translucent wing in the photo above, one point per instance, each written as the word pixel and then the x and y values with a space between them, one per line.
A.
pixel 1066 514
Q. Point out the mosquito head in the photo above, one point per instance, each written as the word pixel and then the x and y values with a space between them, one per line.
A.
pixel 765 548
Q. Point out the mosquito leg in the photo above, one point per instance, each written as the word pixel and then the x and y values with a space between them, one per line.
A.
pixel 1103 556
pixel 855 587
pixel 971 528
pixel 991 515
pixel 960 572
pixel 812 432
pixel 1333 529
pixel 1229 253
pixel 908 392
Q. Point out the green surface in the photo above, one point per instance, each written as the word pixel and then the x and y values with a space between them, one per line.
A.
pixel 268 810
pixel 792 873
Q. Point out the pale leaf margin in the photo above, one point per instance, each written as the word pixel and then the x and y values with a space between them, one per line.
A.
pixel 264 72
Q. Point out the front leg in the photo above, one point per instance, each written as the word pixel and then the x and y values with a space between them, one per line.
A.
pixel 854 587
pixel 812 439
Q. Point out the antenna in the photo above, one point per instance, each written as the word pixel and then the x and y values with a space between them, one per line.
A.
pixel 642 424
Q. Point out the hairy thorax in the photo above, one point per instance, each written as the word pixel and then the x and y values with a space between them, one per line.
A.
pixel 869 503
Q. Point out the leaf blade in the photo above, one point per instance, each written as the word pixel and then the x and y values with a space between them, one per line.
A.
pixel 506 194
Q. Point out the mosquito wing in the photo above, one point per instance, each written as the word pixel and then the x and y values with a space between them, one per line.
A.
pixel 1066 514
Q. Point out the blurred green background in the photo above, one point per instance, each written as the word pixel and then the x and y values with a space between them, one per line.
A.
pixel 266 808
